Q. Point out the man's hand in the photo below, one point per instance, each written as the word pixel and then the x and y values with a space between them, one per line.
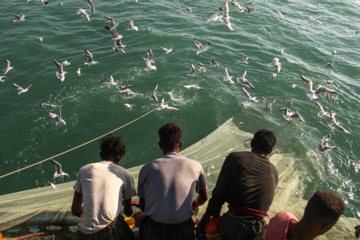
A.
pixel 357 231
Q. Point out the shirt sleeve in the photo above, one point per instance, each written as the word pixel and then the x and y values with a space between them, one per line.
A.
pixel 130 189
pixel 141 183
pixel 220 191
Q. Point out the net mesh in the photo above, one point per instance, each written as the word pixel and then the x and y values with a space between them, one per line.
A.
pixel 47 211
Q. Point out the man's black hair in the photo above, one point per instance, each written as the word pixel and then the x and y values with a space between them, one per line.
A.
pixel 263 141
pixel 170 136
pixel 111 147
pixel 324 207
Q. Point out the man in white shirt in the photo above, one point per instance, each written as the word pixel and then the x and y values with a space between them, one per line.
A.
pixel 101 190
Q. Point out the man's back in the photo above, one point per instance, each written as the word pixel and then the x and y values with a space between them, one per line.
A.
pixel 103 185
pixel 168 185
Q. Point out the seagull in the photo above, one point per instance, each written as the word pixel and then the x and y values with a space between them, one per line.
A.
pixel 241 9
pixel 147 28
pixel 289 101
pixel 163 106
pixel 61 3
pixel 20 89
pixel 19 18
pixel 61 73
pixel 40 39
pixel 148 61
pixel 249 99
pixel 324 146
pixel 225 18
pixel 7 67
pixel 294 85
pixel 193 86
pixel 43 1
pixel 57 118
pixel 311 94
pixel 58 171
pixel 192 72
pixel 65 63
pixel 119 47
pixel 330 64
pixel 250 10
pixel 202 67
pixel 311 19
pixel 167 51
pixel 268 104
pixel 1 78
pixel 131 26
pixel 153 93
pixel 125 88
pixel 128 106
pixel 330 81
pixel 322 89
pixel 336 125
pixel 334 52
pixel 111 82
pixel 112 22
pixel 281 15
pixel 215 16
pixel 244 81
pixel 114 33
pixel 189 9
pixel 227 77
pixel 243 60
pixel 322 113
pixel 84 14
pixel 91 5
pixel 275 63
pixel 289 115
pixel 213 63
pixel 89 57
pixel 201 47
pixel 78 71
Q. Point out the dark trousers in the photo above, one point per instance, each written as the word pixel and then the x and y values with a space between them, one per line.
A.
pixel 117 230
pixel 151 230
pixel 233 226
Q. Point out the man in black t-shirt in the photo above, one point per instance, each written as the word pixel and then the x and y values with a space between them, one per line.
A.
pixel 247 182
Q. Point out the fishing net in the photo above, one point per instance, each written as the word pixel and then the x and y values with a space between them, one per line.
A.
pixel 47 211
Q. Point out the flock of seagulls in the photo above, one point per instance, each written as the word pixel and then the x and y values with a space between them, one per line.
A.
pixel 222 16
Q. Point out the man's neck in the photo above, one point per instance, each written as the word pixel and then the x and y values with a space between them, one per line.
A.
pixel 299 231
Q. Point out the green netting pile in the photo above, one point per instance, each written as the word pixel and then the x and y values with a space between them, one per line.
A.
pixel 47 210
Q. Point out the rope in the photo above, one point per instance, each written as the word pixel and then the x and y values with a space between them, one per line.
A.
pixel 41 234
pixel 81 145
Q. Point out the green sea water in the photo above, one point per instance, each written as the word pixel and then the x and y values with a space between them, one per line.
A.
pixel 90 109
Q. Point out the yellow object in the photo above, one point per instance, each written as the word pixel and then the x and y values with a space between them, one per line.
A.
pixel 130 221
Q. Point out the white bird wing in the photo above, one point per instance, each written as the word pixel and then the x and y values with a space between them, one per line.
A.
pixel 172 108
pixel 88 55
pixel 17 87
pixel 198 44
pixel 59 66
pixel 307 81
pixel 247 95
pixel 226 72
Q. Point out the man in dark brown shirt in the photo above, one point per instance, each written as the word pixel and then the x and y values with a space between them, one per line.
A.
pixel 247 182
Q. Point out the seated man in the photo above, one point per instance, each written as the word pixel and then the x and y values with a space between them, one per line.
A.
pixel 101 190
pixel 166 189
pixel 321 213
pixel 247 181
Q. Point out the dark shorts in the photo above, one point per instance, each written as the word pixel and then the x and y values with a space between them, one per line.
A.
pixel 233 226
pixel 117 230
pixel 151 230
